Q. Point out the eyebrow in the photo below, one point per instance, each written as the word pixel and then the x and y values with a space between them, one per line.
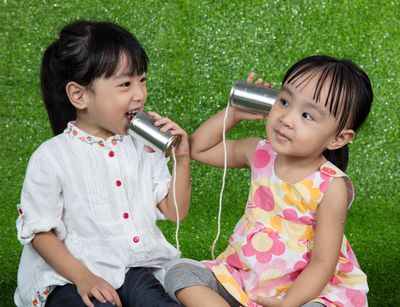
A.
pixel 315 107
pixel 126 73
pixel 312 105
pixel 288 91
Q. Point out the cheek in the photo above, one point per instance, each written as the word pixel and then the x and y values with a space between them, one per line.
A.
pixel 271 117
pixel 268 125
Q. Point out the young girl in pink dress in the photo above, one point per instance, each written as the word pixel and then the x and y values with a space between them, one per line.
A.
pixel 289 248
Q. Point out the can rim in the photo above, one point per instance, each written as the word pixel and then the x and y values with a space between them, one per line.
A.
pixel 173 141
pixel 233 88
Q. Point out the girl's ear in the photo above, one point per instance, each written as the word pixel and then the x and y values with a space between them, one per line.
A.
pixel 76 94
pixel 342 138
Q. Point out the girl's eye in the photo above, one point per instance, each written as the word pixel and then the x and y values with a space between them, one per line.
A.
pixel 284 103
pixel 143 80
pixel 126 84
pixel 307 116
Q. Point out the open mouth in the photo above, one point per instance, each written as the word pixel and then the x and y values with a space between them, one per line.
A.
pixel 131 114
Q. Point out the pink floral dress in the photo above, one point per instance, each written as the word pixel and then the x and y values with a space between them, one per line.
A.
pixel 273 241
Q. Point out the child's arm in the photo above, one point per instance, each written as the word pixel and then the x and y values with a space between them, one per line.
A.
pixel 182 166
pixel 331 218
pixel 206 144
pixel 50 248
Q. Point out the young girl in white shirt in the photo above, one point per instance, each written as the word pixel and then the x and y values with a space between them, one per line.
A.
pixel 288 249
pixel 92 193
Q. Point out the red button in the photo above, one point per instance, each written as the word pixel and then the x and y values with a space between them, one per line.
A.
pixel 19 210
pixel 118 183
pixel 125 215
pixel 111 154
pixel 136 239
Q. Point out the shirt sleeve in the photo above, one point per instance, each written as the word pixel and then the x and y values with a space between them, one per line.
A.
pixel 161 179
pixel 41 205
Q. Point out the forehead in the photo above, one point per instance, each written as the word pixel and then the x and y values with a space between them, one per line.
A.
pixel 124 65
pixel 311 85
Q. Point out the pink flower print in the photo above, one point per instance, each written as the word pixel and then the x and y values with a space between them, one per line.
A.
pixel 334 281
pixel 346 267
pixel 299 266
pixel 356 297
pixel 234 260
pixel 325 182
pixel 263 245
pixel 264 198
pixel 351 256
pixel 261 158
pixel 291 215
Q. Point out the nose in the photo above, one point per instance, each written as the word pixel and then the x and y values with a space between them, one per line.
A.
pixel 287 119
pixel 139 93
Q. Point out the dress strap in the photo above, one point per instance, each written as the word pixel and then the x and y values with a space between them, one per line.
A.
pixel 331 170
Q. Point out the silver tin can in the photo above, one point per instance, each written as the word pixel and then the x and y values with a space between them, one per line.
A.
pixel 252 97
pixel 142 127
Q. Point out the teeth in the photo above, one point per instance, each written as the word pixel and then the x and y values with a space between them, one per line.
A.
pixel 133 113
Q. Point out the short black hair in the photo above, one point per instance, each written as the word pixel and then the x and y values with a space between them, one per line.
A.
pixel 85 51
pixel 349 96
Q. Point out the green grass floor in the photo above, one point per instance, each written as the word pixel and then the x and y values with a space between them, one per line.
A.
pixel 197 49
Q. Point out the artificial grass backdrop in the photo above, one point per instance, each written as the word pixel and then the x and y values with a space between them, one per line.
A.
pixel 197 49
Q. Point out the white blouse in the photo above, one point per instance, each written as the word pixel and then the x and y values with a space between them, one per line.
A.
pixel 100 197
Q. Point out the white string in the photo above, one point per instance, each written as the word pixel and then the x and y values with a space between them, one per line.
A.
pixel 174 197
pixel 223 183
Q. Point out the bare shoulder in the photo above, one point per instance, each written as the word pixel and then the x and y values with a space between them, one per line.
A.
pixel 335 197
pixel 246 147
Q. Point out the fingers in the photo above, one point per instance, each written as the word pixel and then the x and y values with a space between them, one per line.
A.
pixel 117 300
pixel 250 78
pixel 168 125
pixel 259 81
pixel 154 115
pixel 87 301
pixel 104 295
pixel 148 149
pixel 265 301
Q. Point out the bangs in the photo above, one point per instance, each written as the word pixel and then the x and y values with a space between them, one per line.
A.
pixel 332 76
pixel 108 52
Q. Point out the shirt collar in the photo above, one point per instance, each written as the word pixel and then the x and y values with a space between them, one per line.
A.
pixel 77 134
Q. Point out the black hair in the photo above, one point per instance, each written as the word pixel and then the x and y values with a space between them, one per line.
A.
pixel 84 51
pixel 349 96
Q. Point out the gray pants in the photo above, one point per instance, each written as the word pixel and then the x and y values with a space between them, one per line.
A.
pixel 184 273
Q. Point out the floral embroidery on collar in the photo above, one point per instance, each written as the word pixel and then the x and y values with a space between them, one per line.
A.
pixel 73 132
pixel 41 297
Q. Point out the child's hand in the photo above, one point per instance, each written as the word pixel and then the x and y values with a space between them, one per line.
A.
pixel 268 302
pixel 168 125
pixel 94 286
pixel 240 114
pixel 250 79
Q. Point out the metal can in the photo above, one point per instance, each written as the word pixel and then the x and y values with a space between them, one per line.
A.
pixel 252 97
pixel 142 127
